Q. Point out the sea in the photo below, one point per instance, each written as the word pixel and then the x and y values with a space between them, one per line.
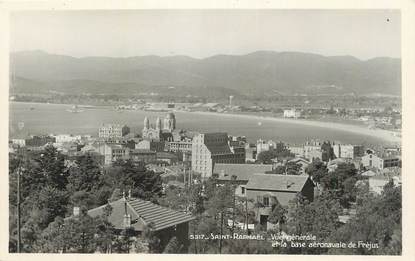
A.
pixel 42 118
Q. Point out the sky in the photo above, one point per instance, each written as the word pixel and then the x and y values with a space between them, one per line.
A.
pixel 364 34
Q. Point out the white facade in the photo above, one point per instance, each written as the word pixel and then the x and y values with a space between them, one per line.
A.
pixel 112 131
pixel 62 138
pixel 262 145
pixel 201 156
pixel 292 113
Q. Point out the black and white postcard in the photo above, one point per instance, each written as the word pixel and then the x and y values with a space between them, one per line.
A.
pixel 250 131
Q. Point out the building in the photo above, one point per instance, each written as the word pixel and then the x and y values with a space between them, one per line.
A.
pixel 143 155
pixel 211 148
pixel 39 141
pixel 292 113
pixel 298 151
pixel 64 138
pixel 21 142
pixel 158 133
pixel 169 122
pixel 302 162
pixel 137 214
pixel 179 146
pixel 150 145
pixel 242 172
pixel 381 160
pixel 250 152
pixel 168 157
pixel 267 189
pixel 113 152
pixel 110 131
pixel 262 145
pixel 348 151
pixel 313 152
pixel 377 182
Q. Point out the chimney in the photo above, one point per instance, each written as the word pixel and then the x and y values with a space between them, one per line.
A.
pixel 127 221
pixel 76 211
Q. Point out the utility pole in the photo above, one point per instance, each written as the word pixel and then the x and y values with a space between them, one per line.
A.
pixel 19 239
pixel 221 232
pixel 233 178
pixel 246 214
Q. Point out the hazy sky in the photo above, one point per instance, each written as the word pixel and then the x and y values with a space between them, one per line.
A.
pixel 197 33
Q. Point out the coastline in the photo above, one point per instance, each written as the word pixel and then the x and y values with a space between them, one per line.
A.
pixel 378 133
pixel 384 135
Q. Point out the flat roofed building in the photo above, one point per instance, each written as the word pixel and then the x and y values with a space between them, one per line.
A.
pixel 108 131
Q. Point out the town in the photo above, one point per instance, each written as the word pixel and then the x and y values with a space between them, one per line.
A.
pixel 167 189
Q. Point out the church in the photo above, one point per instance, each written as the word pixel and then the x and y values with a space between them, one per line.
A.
pixel 158 133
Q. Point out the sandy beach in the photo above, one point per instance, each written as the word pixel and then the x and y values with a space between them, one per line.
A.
pixel 381 134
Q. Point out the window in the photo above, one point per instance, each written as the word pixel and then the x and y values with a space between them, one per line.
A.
pixel 265 201
pixel 242 190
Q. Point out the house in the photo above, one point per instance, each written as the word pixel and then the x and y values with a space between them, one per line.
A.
pixel 139 214
pixel 381 160
pixel 301 161
pixel 113 152
pixel 169 158
pixel 242 172
pixel 150 145
pixel 109 131
pixel 348 151
pixel 250 152
pixel 267 189
pixel 143 155
pixel 292 113
pixel 377 182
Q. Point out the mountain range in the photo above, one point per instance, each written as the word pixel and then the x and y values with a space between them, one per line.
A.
pixel 258 73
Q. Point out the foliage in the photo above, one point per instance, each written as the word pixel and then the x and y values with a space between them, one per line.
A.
pixel 377 221
pixel 173 246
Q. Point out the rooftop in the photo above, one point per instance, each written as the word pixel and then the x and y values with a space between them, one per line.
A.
pixel 291 183
pixel 142 213
pixel 242 171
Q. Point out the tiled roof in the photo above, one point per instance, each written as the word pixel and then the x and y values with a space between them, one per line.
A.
pixel 142 213
pixel 242 171
pixel 293 183
pixel 219 149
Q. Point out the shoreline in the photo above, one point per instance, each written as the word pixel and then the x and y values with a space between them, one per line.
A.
pixel 384 135
pixel 378 133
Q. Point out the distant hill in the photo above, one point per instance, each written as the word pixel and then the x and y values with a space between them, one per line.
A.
pixel 258 73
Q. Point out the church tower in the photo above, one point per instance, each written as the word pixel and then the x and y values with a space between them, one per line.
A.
pixel 146 123
pixel 158 124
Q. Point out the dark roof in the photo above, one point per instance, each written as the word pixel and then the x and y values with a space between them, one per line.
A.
pixel 219 149
pixel 292 183
pixel 166 155
pixel 142 213
pixel 242 171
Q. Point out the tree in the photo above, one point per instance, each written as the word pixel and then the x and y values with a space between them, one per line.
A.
pixel 51 165
pixel 327 152
pixel 278 214
pixel 85 175
pixel 377 220
pixel 46 205
pixel 342 182
pixel 173 246
pixel 105 232
pixel 316 170
pixel 319 218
